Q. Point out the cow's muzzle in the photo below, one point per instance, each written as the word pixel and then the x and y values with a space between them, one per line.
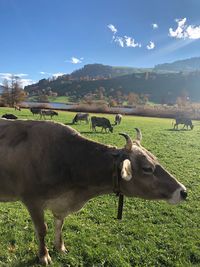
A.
pixel 179 195
pixel 183 194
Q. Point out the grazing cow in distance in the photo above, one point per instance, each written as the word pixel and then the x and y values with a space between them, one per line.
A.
pixel 9 116
pixel 17 108
pixel 185 121
pixel 118 119
pixel 35 110
pixel 47 112
pixel 63 176
pixel 101 122
pixel 81 117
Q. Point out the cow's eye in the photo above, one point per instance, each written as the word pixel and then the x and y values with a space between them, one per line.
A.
pixel 147 170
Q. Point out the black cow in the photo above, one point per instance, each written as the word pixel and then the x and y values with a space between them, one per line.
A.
pixel 101 122
pixel 48 165
pixel 35 110
pixel 185 121
pixel 9 116
pixel 81 117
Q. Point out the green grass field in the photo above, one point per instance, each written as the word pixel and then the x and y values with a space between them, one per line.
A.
pixel 150 234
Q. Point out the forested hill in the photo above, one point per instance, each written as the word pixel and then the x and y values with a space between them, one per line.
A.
pixel 160 87
pixel 94 71
pixel 190 64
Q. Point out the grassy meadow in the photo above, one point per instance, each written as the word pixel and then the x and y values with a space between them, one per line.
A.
pixel 150 234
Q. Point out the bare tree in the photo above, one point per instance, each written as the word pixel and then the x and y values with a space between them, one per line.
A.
pixel 13 92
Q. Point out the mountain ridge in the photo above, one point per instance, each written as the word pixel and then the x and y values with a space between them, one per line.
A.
pixel 188 64
pixel 160 85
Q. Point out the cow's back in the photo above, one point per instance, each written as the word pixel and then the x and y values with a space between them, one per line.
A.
pixel 32 156
pixel 42 158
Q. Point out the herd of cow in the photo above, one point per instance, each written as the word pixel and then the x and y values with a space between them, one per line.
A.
pixel 48 165
pixel 102 122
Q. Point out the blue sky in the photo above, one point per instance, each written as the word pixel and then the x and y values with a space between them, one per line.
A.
pixel 42 38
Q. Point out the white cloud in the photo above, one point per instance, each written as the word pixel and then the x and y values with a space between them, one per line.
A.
pixel 154 25
pixel 184 31
pixel 8 76
pixel 112 28
pixel 21 75
pixel 25 82
pixel 56 75
pixel 151 45
pixel 122 41
pixel 5 75
pixel 126 41
pixel 193 32
pixel 45 73
pixel 130 42
pixel 119 41
pixel 75 60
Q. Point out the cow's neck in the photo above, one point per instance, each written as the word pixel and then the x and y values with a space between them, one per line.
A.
pixel 106 179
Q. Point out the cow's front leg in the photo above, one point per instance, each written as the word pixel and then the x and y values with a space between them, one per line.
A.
pixel 59 244
pixel 37 216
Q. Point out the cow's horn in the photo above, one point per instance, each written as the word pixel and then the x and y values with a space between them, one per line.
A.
pixel 139 134
pixel 129 142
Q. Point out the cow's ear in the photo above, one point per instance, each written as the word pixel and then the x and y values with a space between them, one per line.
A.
pixel 126 170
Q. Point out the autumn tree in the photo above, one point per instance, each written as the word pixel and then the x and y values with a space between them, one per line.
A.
pixel 133 99
pixel 100 92
pixel 183 100
pixel 13 92
pixel 144 98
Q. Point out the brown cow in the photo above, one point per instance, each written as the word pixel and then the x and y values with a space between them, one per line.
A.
pixel 81 117
pixel 48 165
pixel 47 112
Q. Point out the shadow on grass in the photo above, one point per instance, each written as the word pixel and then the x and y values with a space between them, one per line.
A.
pixel 69 123
pixel 92 133
pixel 28 263
pixel 177 130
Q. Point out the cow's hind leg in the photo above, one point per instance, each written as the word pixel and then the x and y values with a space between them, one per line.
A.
pixel 59 244
pixel 37 215
pixel 176 126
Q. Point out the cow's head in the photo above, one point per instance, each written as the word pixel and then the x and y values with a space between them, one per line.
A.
pixel 143 176
pixel 111 129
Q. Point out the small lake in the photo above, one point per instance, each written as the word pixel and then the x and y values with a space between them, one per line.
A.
pixel 63 106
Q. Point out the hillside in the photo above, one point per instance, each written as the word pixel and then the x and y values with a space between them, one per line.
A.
pixel 92 71
pixel 186 65
pixel 160 87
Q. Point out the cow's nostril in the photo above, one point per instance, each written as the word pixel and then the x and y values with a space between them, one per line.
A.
pixel 183 194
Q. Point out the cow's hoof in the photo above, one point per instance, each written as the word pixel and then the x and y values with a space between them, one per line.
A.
pixel 45 260
pixel 61 249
